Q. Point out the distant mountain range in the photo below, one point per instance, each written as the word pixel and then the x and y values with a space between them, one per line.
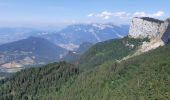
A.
pixel 74 35
pixel 69 37
pixel 27 52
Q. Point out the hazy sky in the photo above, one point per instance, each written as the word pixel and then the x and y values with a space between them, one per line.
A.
pixel 58 12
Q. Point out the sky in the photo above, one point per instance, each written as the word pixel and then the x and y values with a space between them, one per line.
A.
pixel 63 12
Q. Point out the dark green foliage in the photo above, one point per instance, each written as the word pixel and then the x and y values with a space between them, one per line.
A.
pixel 144 77
pixel 36 82
pixel 107 51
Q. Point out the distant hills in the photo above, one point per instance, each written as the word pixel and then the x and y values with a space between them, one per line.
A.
pixel 34 45
pixel 74 35
pixel 30 51
pixel 69 37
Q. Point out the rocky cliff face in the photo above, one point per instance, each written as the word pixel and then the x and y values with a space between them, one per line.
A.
pixel 156 30
pixel 151 28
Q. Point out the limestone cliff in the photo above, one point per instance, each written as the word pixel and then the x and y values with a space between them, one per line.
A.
pixel 156 30
pixel 151 28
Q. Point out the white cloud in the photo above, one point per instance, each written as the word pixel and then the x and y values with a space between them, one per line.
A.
pixel 143 14
pixel 90 15
pixel 159 14
pixel 104 15
pixel 107 15
pixel 121 14
pixel 139 14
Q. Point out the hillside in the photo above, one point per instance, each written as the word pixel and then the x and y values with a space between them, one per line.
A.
pixel 144 77
pixel 41 81
pixel 109 50
pixel 27 52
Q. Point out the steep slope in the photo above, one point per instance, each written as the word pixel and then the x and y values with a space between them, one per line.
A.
pixel 30 51
pixel 109 50
pixel 144 77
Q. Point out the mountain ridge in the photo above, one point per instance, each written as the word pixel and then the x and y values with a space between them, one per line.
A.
pixel 31 51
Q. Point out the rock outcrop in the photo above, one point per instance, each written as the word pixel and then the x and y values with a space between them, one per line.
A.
pixel 151 28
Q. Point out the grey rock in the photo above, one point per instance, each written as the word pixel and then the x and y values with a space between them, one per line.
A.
pixel 145 27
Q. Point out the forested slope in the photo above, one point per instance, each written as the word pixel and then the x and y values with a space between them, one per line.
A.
pixel 37 83
pixel 109 50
